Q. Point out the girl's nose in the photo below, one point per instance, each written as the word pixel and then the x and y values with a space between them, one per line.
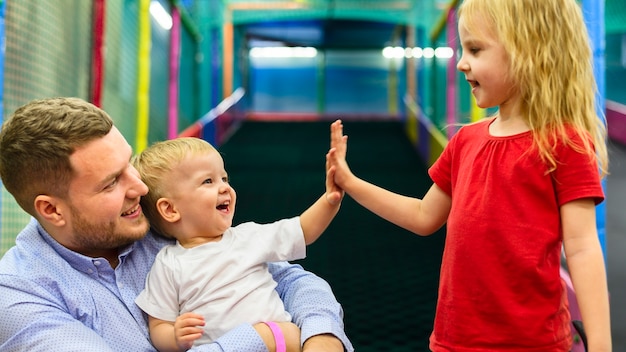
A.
pixel 462 65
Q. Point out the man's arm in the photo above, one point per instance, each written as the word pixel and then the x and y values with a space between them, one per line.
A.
pixel 242 338
pixel 313 306
pixel 34 320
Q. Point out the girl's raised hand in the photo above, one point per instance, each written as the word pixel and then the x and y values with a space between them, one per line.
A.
pixel 336 157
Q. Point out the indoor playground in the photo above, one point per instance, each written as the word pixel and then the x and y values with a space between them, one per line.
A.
pixel 263 79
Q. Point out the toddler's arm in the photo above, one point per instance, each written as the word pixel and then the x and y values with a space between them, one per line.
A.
pixel 175 336
pixel 318 216
pixel 289 330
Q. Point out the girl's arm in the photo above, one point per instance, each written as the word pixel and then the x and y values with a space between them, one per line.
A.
pixel 587 270
pixel 420 216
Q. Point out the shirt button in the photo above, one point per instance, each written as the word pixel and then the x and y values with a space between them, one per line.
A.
pixel 96 263
pixel 90 271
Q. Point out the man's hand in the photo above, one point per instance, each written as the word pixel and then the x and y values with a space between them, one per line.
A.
pixel 323 343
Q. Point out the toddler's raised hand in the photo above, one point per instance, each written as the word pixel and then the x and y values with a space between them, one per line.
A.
pixel 334 193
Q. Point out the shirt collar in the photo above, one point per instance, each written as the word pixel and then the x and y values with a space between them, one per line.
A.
pixel 79 261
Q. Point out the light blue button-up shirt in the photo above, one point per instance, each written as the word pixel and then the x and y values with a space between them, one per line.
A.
pixel 53 299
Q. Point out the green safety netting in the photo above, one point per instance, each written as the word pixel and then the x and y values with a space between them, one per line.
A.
pixel 615 16
pixel 418 13
pixel 422 13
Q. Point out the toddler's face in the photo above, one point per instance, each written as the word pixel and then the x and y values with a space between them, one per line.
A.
pixel 202 196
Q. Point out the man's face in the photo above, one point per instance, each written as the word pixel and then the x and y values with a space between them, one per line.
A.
pixel 103 200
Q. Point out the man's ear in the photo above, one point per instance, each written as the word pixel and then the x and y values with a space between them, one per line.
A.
pixel 50 209
pixel 167 210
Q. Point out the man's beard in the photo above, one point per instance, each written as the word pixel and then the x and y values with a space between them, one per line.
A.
pixel 90 235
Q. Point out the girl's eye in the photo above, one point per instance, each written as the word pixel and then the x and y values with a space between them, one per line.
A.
pixel 474 50
pixel 208 180
pixel 225 179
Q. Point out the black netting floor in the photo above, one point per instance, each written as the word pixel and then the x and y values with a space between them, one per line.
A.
pixel 384 276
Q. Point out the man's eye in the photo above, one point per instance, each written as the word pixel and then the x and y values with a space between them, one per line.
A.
pixel 112 184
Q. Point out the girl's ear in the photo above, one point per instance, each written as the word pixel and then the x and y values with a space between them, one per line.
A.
pixel 51 210
pixel 167 210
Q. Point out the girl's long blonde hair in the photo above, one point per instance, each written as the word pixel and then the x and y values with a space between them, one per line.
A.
pixel 551 62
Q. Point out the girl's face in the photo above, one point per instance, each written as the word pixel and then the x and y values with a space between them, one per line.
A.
pixel 485 64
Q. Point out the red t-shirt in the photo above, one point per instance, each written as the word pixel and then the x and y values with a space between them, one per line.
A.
pixel 500 287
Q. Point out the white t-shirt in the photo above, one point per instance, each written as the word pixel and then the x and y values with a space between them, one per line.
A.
pixel 227 281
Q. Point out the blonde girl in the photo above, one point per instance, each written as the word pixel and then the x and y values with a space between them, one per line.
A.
pixel 515 188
